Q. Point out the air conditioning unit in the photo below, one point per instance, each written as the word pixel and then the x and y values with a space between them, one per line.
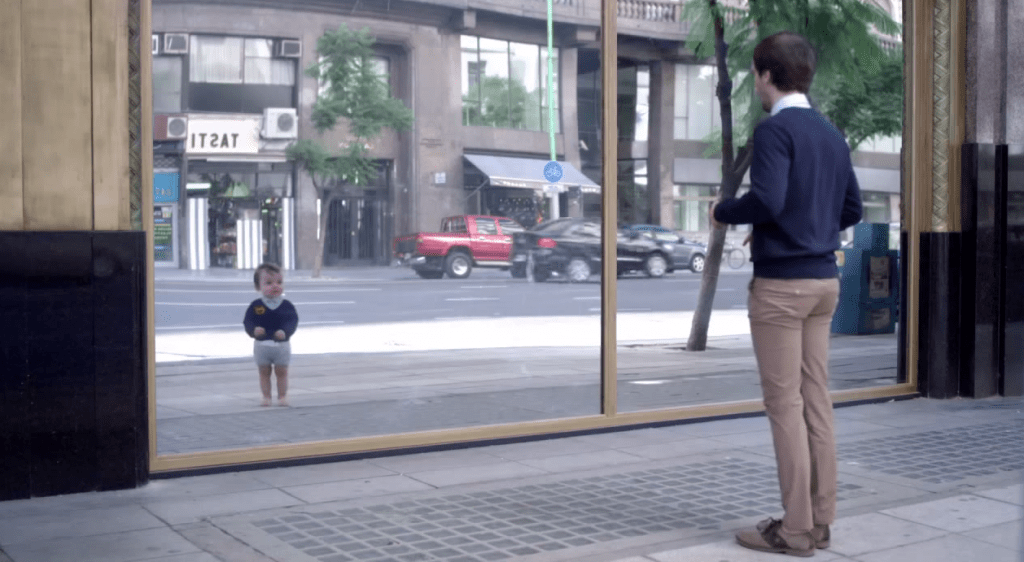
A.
pixel 280 123
pixel 289 48
pixel 156 44
pixel 175 43
pixel 170 127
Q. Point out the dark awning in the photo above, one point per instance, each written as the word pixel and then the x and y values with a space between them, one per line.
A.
pixel 506 171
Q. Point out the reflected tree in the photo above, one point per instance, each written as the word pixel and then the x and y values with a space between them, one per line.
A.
pixel 355 96
pixel 853 65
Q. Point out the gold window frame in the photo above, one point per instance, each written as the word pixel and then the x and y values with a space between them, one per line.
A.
pixel 934 39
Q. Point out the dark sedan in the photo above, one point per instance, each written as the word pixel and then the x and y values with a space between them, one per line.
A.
pixel 570 248
pixel 686 254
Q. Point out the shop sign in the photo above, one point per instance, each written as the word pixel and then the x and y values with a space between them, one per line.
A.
pixel 223 136
pixel 165 187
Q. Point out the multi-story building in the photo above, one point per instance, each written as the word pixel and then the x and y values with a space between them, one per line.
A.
pixel 230 94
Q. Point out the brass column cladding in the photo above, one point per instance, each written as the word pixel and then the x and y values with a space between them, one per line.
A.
pixel 940 117
pixel 110 142
pixel 948 121
pixel 609 204
pixel 140 115
pixel 917 169
pixel 11 176
pixel 57 108
pixel 957 106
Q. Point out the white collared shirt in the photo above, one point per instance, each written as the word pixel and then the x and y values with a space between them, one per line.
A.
pixel 796 99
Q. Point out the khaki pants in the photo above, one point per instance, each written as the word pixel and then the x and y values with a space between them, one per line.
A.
pixel 790 323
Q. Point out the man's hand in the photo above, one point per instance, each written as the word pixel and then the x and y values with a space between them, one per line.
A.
pixel 279 335
pixel 259 332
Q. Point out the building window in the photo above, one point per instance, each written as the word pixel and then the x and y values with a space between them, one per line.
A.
pixel 634 197
pixel 166 84
pixel 691 204
pixel 504 84
pixel 696 111
pixel 381 66
pixel 237 60
pixel 634 102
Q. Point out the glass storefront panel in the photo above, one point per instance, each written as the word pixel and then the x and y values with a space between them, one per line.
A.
pixel 663 244
pixel 457 286
pixel 436 305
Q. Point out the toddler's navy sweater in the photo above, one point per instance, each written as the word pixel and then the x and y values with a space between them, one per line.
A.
pixel 284 317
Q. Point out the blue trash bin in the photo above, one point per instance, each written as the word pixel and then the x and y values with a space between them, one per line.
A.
pixel 869 283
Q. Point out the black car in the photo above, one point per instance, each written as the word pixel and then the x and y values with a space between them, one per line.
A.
pixel 571 248
pixel 686 254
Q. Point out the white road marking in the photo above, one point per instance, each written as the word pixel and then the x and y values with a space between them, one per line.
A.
pixel 483 286
pixel 324 290
pixel 597 298
pixel 220 326
pixel 462 299
pixel 243 305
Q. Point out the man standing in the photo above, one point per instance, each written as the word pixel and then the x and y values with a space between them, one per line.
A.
pixel 803 193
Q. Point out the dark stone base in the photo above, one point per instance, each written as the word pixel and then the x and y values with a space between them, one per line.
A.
pixel 73 347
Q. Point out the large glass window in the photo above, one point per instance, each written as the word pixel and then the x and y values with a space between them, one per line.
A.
pixel 691 205
pixel 166 84
pixel 634 103
pixel 504 84
pixel 696 109
pixel 237 60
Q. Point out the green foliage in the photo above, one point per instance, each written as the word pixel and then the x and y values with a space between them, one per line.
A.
pixel 502 103
pixel 869 103
pixel 858 85
pixel 351 91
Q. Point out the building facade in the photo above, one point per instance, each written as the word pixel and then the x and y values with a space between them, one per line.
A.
pixel 477 82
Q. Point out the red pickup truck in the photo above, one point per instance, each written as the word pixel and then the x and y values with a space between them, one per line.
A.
pixel 464 242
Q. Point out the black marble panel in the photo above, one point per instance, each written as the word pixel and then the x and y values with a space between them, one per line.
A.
pixel 121 398
pixel 1012 383
pixel 73 397
pixel 939 351
pixel 980 261
pixel 15 461
pixel 901 326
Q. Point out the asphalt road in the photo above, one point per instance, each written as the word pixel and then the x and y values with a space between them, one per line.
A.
pixel 395 294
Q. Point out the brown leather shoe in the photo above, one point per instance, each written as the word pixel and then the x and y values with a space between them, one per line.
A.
pixel 822 536
pixel 765 538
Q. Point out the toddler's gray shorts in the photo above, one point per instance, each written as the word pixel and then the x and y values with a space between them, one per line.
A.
pixel 269 352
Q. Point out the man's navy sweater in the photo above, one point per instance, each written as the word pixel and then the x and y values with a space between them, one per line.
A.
pixel 802 193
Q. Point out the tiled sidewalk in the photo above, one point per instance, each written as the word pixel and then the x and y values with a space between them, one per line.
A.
pixel 919 480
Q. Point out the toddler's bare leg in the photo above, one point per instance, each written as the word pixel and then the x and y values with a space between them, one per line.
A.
pixel 265 383
pixel 281 371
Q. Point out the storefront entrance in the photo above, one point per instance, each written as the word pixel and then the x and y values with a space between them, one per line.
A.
pixel 357 230
pixel 240 217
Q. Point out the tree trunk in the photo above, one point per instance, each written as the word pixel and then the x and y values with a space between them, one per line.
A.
pixel 709 280
pixel 325 210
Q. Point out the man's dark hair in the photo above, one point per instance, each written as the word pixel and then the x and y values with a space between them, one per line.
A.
pixel 790 58
pixel 268 267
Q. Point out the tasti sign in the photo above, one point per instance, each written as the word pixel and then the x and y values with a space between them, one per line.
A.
pixel 223 136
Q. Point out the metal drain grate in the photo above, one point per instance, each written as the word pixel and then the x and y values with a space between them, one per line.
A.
pixel 941 456
pixel 520 521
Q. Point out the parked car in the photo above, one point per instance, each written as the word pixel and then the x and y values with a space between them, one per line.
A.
pixel 686 254
pixel 464 242
pixel 571 248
